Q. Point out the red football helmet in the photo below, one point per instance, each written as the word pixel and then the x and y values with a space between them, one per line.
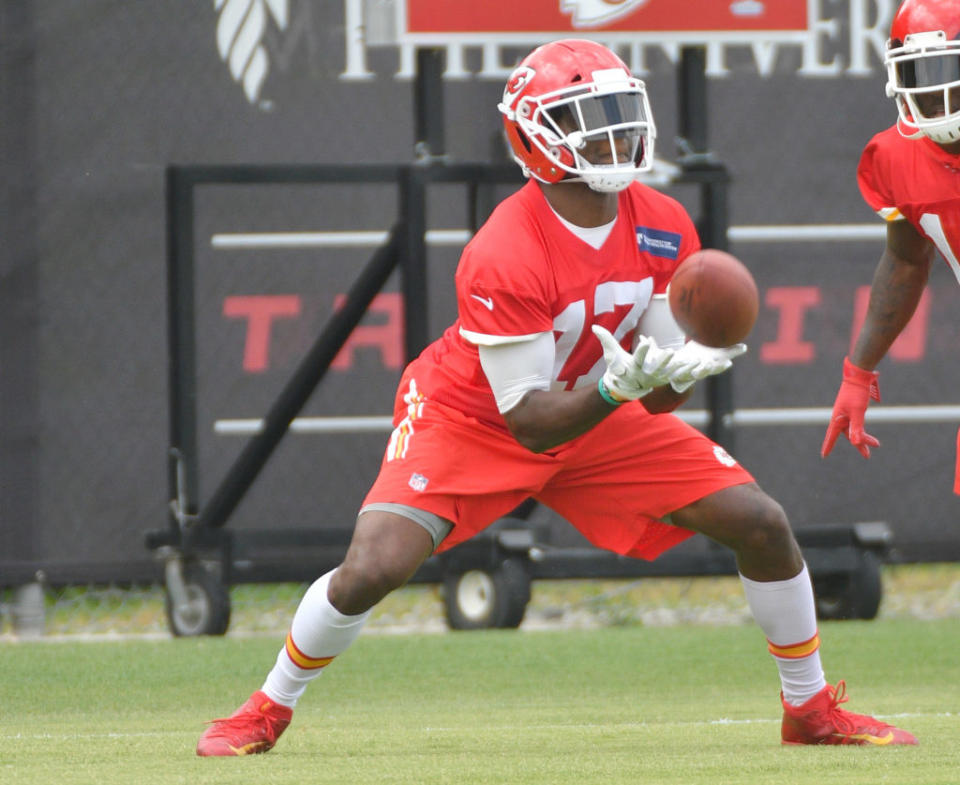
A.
pixel 923 68
pixel 567 94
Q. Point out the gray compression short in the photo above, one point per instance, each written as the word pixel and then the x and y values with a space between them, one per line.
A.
pixel 438 528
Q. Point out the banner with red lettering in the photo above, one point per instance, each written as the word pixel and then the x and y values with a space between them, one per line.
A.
pixel 570 16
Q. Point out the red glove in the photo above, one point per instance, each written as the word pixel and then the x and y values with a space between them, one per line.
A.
pixel 856 390
pixel 956 474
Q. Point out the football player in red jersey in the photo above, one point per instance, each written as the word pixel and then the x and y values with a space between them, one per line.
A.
pixel 909 174
pixel 534 393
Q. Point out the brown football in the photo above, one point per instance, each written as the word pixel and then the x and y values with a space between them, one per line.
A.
pixel 714 298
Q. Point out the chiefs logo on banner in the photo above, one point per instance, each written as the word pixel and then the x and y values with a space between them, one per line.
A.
pixel 586 13
pixel 615 16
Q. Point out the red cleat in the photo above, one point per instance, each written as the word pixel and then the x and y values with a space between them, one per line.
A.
pixel 821 721
pixel 251 729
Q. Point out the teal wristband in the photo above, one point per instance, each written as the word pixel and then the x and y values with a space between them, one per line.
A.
pixel 605 393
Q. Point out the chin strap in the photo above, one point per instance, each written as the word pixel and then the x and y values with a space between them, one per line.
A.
pixel 900 129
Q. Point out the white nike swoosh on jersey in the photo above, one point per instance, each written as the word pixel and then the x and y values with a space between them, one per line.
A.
pixel 487 301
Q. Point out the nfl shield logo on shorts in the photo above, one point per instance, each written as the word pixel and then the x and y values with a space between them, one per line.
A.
pixel 418 482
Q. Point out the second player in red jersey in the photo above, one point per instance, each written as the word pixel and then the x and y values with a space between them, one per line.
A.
pixel 909 174
pixel 916 181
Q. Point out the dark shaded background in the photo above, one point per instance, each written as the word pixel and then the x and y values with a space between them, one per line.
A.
pixel 97 98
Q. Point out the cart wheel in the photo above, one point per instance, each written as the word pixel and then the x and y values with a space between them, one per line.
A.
pixel 207 610
pixel 482 599
pixel 853 595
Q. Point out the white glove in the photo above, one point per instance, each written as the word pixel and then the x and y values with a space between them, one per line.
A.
pixel 631 376
pixel 694 361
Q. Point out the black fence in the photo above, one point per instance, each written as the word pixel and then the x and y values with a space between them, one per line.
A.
pixel 405 250
pixel 203 555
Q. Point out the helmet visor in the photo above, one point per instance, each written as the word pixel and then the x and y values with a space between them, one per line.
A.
pixel 616 120
pixel 593 114
pixel 926 72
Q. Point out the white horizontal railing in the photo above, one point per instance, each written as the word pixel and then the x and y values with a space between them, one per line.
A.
pixel 807 233
pixel 821 415
pixel 371 239
pixel 458 237
pixel 698 417
pixel 365 424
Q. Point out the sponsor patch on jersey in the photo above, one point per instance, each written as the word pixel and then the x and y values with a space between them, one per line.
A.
pixel 658 242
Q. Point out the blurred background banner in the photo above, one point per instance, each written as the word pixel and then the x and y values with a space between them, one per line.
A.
pixel 98 98
pixel 577 16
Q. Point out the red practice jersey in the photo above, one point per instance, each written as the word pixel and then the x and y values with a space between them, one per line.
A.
pixel 918 181
pixel 525 273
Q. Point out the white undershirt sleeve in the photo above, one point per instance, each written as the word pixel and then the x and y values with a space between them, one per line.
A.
pixel 657 322
pixel 517 367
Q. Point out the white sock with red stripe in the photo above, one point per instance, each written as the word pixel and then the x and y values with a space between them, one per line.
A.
pixel 318 633
pixel 787 614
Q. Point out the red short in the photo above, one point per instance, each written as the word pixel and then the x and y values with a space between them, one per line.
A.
pixel 613 483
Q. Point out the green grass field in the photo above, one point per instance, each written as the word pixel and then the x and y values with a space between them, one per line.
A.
pixel 687 704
